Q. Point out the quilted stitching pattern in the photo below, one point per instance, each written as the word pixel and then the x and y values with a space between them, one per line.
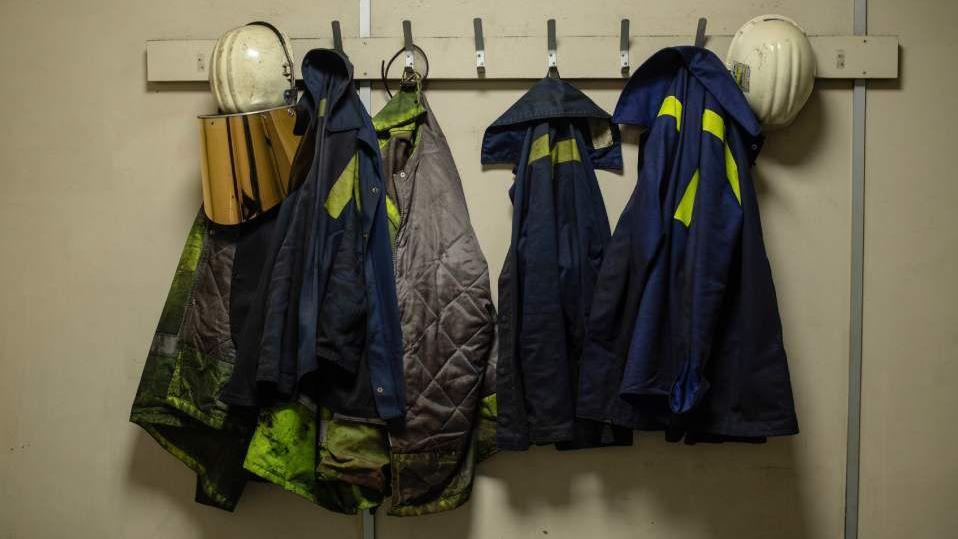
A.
pixel 447 335
pixel 210 334
pixel 445 302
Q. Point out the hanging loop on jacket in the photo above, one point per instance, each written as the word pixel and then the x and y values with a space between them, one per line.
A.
pixel 410 77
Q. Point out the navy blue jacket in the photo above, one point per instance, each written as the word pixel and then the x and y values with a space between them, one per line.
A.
pixel 555 136
pixel 327 322
pixel 684 333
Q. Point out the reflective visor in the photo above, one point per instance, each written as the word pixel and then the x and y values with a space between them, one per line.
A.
pixel 246 160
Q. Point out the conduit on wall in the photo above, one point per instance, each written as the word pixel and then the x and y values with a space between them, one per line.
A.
pixel 856 301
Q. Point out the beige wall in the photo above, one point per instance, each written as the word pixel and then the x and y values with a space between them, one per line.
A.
pixel 910 357
pixel 99 185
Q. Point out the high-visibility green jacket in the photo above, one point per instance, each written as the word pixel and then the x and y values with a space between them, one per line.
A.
pixel 343 463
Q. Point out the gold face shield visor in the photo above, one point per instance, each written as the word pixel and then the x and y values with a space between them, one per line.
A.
pixel 246 161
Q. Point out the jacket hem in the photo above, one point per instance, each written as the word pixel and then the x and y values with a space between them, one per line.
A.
pixel 446 503
pixel 765 429
pixel 560 433
pixel 279 481
pixel 511 442
pixel 208 487
pixel 191 410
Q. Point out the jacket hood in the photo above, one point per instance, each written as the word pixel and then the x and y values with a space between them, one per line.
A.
pixel 328 76
pixel 550 98
pixel 547 99
pixel 640 100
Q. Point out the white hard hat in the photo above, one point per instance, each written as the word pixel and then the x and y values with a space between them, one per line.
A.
pixel 772 60
pixel 252 69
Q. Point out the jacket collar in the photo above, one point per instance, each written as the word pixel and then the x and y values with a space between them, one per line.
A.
pixel 640 101
pixel 402 110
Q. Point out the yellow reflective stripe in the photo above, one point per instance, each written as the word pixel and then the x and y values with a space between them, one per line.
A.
pixel 731 173
pixel 321 110
pixel 344 189
pixel 671 106
pixel 539 148
pixel 565 150
pixel 683 212
pixel 713 123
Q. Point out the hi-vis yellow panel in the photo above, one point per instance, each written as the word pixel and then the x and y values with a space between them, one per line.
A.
pixel 713 123
pixel 671 106
pixel 342 191
pixel 564 150
pixel 683 212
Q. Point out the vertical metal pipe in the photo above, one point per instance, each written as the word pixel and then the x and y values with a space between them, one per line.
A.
pixel 369 524
pixel 365 28
pixel 856 314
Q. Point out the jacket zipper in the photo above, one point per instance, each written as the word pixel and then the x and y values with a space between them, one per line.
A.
pixel 402 221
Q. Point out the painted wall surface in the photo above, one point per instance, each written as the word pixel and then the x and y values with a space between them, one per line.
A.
pixel 100 183
pixel 909 431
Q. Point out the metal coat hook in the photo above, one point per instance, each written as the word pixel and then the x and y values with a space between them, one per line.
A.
pixel 407 45
pixel 480 46
pixel 411 79
pixel 551 48
pixel 337 37
pixel 624 47
pixel 700 32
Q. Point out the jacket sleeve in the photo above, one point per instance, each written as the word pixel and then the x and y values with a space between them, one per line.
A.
pixel 714 234
pixel 625 270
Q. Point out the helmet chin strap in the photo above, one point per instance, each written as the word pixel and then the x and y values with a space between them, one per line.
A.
pixel 290 94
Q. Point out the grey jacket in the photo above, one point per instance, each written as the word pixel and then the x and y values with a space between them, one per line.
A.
pixel 445 303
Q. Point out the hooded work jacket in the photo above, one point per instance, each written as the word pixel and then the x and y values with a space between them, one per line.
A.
pixel 684 333
pixel 326 321
pixel 555 136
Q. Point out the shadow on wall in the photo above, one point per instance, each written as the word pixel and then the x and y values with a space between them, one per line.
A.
pixel 263 512
pixel 655 489
pixel 792 145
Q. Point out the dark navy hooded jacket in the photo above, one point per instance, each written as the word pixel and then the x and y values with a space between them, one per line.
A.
pixel 684 333
pixel 327 318
pixel 555 136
